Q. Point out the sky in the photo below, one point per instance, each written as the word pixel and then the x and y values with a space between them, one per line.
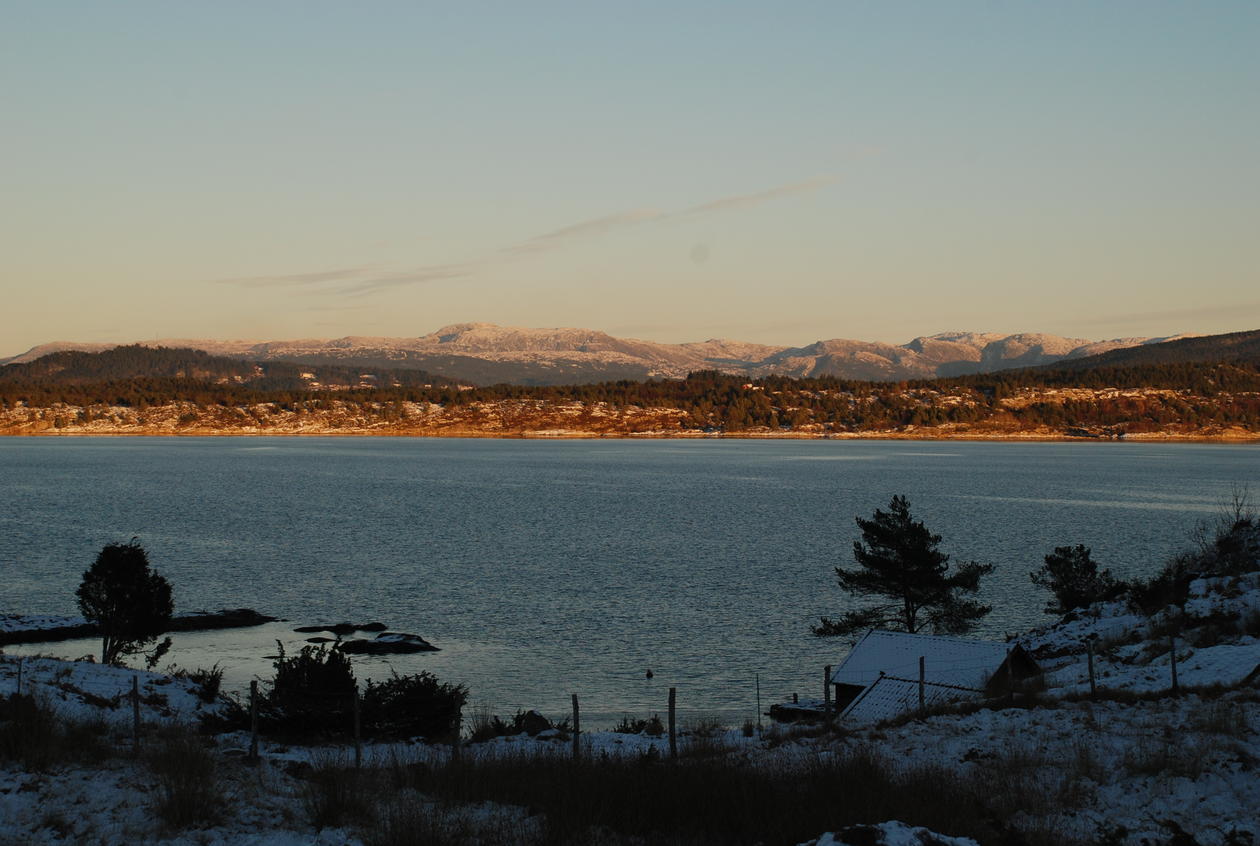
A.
pixel 672 171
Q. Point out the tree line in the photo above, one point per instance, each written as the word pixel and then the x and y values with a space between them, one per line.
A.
pixel 1193 394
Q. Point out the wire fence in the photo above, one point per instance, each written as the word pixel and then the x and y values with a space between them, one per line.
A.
pixel 902 689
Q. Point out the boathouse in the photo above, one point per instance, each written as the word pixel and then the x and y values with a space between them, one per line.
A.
pixel 890 673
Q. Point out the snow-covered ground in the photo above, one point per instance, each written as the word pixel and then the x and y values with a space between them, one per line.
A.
pixel 1134 653
pixel 894 833
pixel 1136 765
pixel 87 692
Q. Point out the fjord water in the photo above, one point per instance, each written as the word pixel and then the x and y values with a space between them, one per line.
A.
pixel 549 567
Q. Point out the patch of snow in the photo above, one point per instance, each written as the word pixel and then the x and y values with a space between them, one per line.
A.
pixel 894 833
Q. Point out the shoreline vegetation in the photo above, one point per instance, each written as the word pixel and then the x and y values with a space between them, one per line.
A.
pixel 140 391
pixel 542 420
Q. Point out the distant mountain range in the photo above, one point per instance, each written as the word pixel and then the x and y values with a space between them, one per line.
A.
pixel 483 353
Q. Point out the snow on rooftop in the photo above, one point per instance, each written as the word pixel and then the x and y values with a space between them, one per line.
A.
pixel 890 697
pixel 947 660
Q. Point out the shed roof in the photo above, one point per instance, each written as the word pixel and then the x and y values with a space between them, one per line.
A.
pixel 947 660
pixel 889 697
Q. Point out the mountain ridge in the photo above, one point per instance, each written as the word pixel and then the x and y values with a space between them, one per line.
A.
pixel 487 353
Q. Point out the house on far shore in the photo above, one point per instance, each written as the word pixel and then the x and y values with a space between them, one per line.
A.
pixel 879 679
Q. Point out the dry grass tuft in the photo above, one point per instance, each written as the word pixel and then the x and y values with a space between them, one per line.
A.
pixel 187 781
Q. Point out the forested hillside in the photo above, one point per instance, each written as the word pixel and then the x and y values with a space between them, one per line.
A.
pixel 136 389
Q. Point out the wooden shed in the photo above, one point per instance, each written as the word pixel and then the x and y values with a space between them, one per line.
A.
pixel 880 678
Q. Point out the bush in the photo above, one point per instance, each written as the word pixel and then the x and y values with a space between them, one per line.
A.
pixel 313 692
pixel 486 726
pixel 28 731
pixel 1230 543
pixel 1072 577
pixel 653 727
pixel 209 682
pixel 413 706
pixel 1170 587
pixel 35 737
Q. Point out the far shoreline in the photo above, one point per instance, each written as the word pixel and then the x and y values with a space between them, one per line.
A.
pixel 1237 438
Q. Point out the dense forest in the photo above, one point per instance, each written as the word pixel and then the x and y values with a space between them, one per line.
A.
pixel 1107 400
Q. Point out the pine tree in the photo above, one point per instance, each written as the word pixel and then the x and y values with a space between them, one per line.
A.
pixel 899 561
pixel 1072 576
pixel 128 602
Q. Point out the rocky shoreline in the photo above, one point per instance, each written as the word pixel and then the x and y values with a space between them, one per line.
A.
pixel 924 434
pixel 16 629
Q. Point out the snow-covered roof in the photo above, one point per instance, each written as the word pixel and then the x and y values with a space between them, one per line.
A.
pixel 889 697
pixel 947 660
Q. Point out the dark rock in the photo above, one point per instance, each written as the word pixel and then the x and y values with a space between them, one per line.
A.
pixel 320 640
pixel 228 618
pixel 342 629
pixel 189 621
pixel 389 643
pixel 533 722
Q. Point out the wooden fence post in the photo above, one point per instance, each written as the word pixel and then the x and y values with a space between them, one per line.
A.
pixel 673 723
pixel 1172 658
pixel 577 729
pixel 1093 687
pixel 358 740
pixel 758 704
pixel 827 692
pixel 922 684
pixel 1010 678
pixel 253 721
pixel 135 716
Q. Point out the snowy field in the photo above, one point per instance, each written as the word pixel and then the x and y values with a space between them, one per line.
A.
pixel 1135 766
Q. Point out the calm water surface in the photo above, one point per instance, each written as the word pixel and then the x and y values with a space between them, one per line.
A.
pixel 544 568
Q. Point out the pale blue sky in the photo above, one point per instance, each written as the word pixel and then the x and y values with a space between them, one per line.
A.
pixel 776 172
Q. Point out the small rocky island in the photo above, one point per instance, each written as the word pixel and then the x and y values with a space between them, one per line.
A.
pixel 385 643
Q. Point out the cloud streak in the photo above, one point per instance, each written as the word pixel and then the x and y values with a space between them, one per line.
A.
pixel 365 280
pixel 744 200
pixel 297 279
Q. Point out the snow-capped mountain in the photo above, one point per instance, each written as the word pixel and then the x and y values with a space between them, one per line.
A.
pixel 486 353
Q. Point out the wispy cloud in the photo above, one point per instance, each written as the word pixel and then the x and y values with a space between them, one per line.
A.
pixel 337 308
pixel 600 225
pixel 356 281
pixel 403 278
pixel 743 200
pixel 298 279
pixel 370 279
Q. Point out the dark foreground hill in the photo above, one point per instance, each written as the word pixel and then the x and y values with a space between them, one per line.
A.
pixel 1233 348
pixel 163 365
